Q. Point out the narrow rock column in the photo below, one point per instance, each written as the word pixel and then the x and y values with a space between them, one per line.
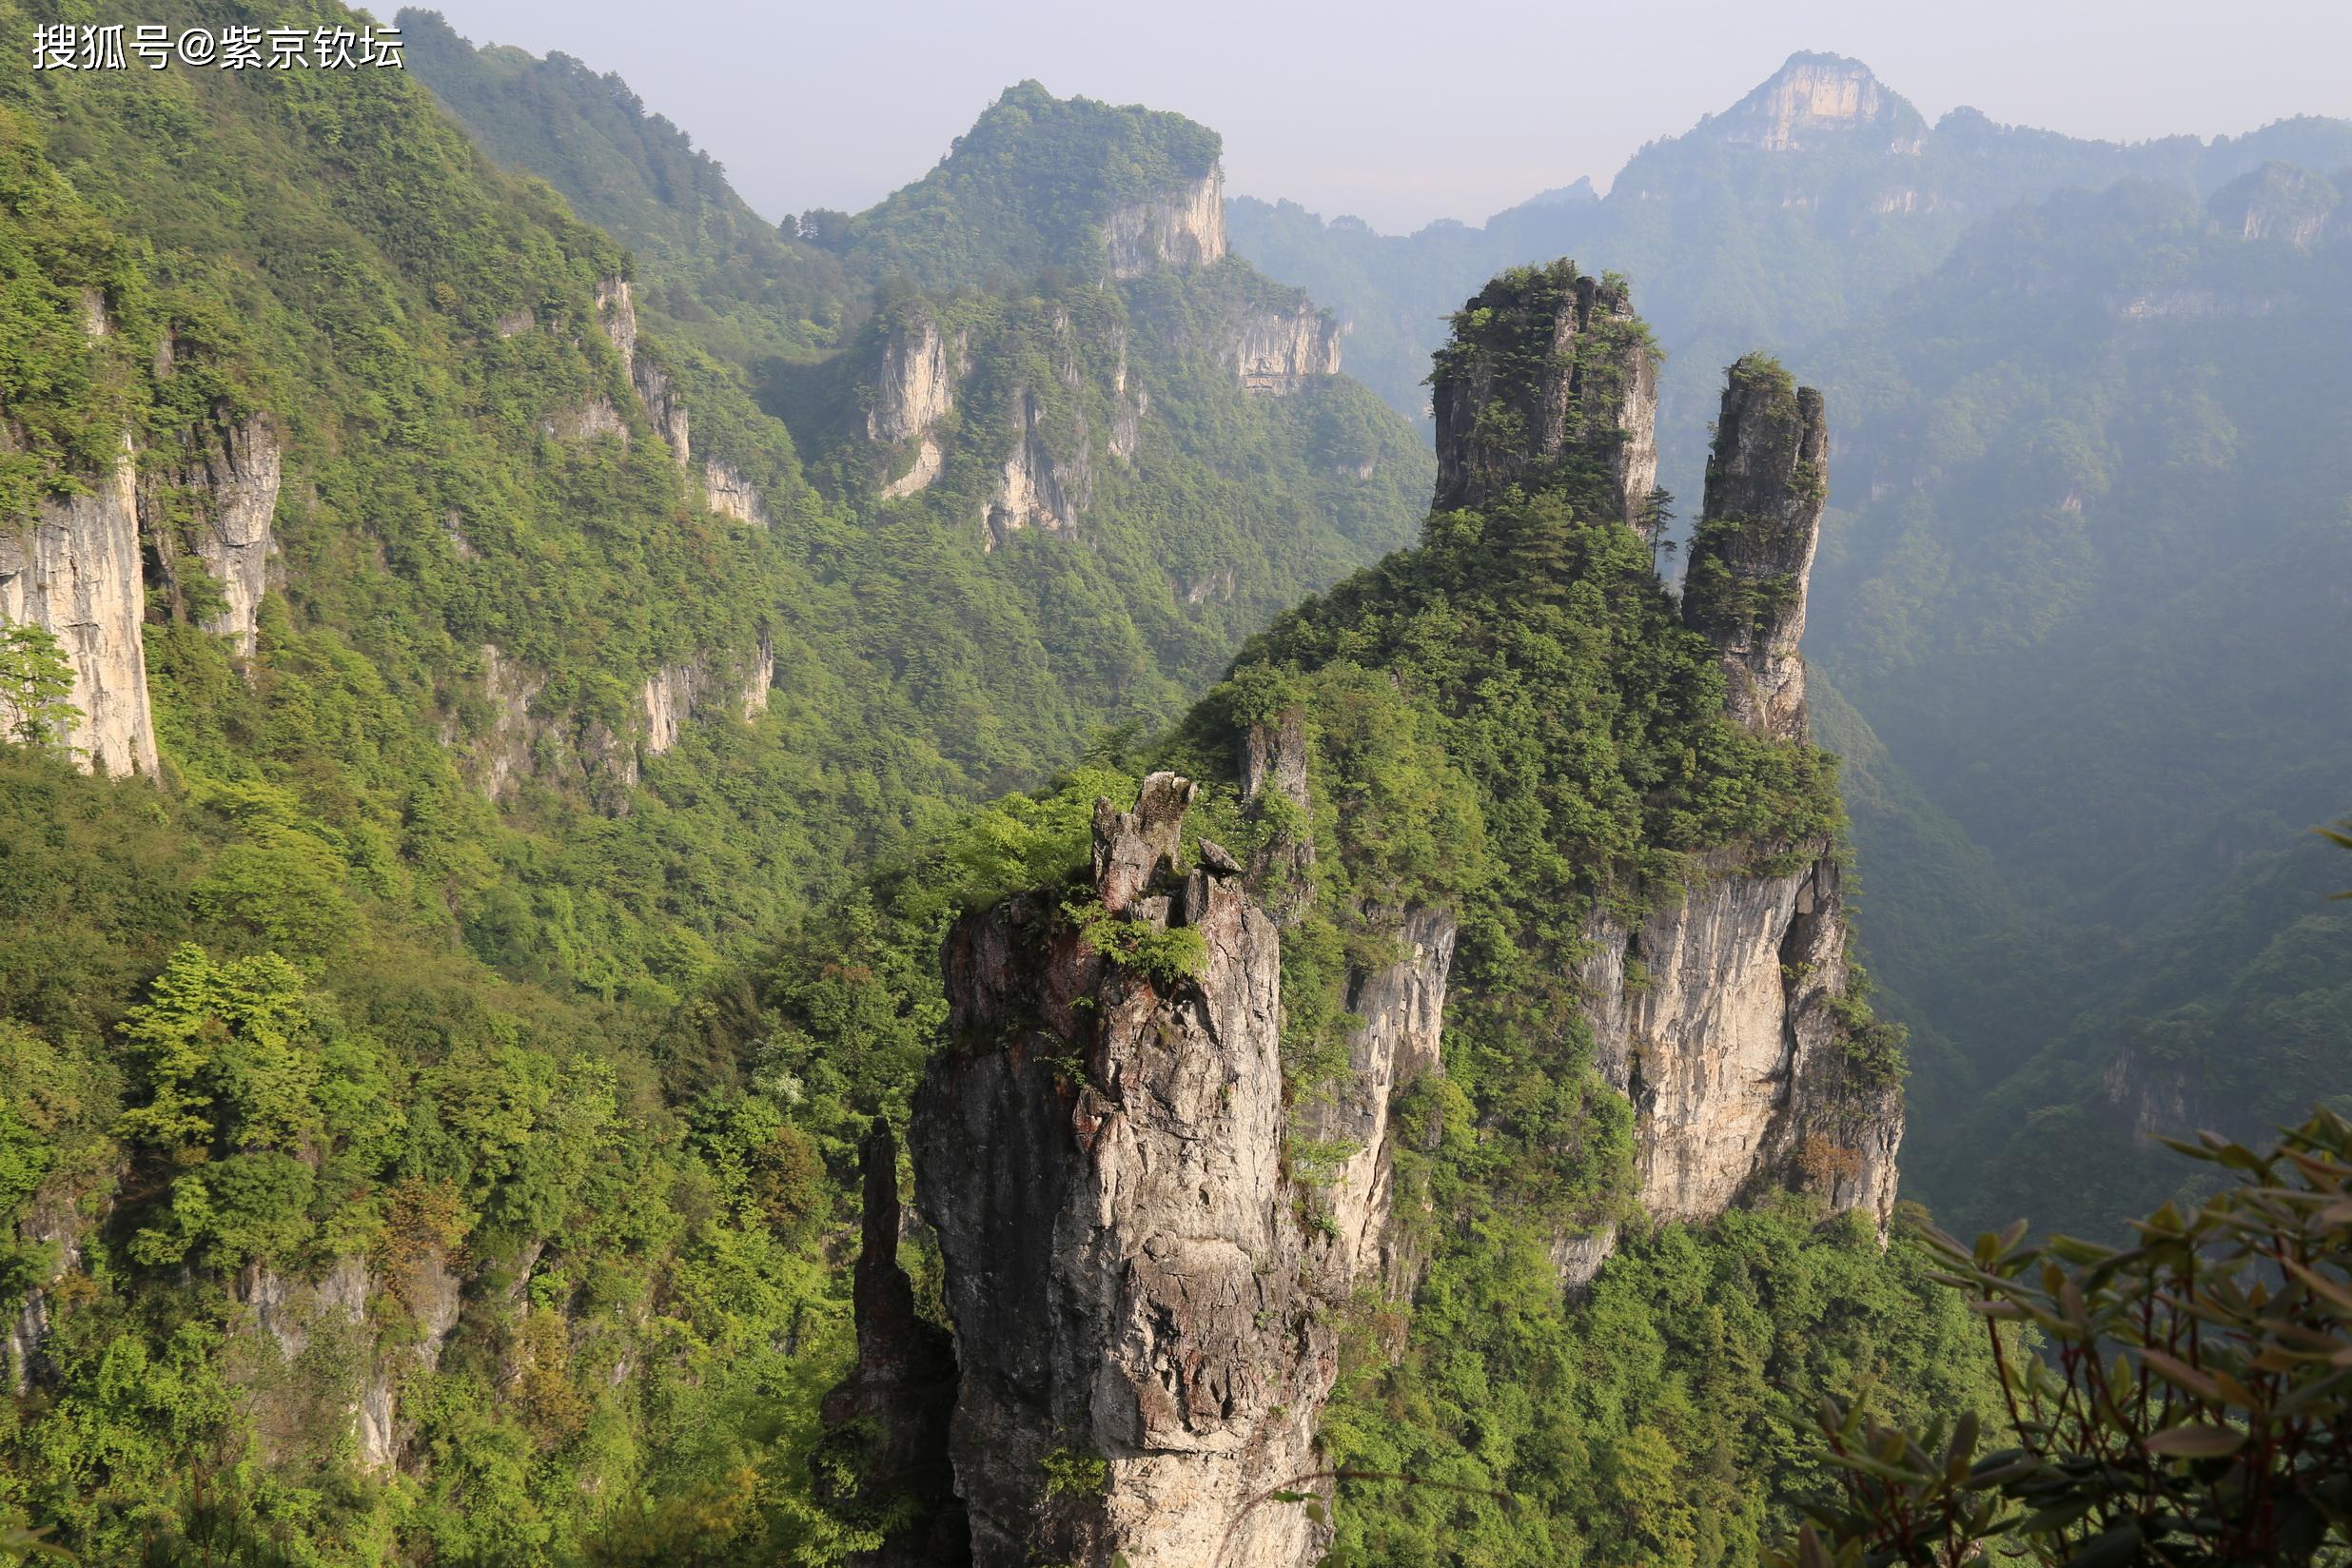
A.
pixel 1767 482
pixel 1144 1362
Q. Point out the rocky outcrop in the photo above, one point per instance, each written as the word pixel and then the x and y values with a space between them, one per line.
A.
pixel 1717 1018
pixel 919 474
pixel 914 384
pixel 1545 361
pixel 1753 553
pixel 1038 490
pixel 1816 100
pixel 884 1457
pixel 50 1222
pixel 1183 228
pixel 662 404
pixel 1279 351
pixel 503 756
pixel 1143 1359
pixel 73 569
pixel 616 314
pixel 1403 1007
pixel 678 692
pixel 383 1331
pixel 596 416
pixel 732 495
pixel 2281 203
pixel 233 473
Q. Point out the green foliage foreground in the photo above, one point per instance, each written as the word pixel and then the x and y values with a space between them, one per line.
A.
pixel 2194 1406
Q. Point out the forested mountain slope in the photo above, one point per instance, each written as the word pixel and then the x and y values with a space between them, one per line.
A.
pixel 436 678
pixel 1040 348
pixel 2089 557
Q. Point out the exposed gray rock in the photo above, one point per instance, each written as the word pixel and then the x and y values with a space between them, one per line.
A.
pixel 914 386
pixel 888 1423
pixel 232 474
pixel 1183 228
pixel 1038 490
pixel 1402 1006
pixel 732 495
pixel 75 570
pixel 1099 1153
pixel 1545 361
pixel 51 1220
pixel 1279 351
pixel 596 416
pixel 1714 1017
pixel 1768 479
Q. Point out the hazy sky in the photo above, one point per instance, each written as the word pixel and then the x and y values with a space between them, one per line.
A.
pixel 1401 113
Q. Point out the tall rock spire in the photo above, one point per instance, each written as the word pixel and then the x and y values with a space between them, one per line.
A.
pixel 1545 363
pixel 1144 1347
pixel 1767 481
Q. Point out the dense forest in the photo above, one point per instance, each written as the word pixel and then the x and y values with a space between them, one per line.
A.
pixel 515 665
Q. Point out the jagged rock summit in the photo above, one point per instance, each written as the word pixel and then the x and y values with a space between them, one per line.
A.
pixel 1813 101
pixel 1106 1147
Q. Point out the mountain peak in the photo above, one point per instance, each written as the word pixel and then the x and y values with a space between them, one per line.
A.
pixel 1814 98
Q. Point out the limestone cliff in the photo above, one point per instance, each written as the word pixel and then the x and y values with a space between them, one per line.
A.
pixel 914 383
pixel 1279 351
pixel 1183 228
pixel 1143 1356
pixel 1753 553
pixel 1545 361
pixel 1815 99
pixel 231 471
pixel 73 568
pixel 732 495
pixel 884 1453
pixel 1716 1017
pixel 616 314
pixel 692 688
pixel 1037 489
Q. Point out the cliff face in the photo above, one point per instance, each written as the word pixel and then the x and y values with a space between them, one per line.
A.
pixel 232 472
pixel 1183 230
pixel 1143 1358
pixel 75 571
pixel 1279 351
pixel 1038 490
pixel 732 495
pixel 1544 362
pixel 915 386
pixel 616 314
pixel 1753 554
pixel 1813 100
pixel 1715 1018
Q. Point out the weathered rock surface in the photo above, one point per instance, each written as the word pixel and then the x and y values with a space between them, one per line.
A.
pixel 732 495
pixel 233 473
pixel 888 1423
pixel 1753 554
pixel 1279 351
pixel 1402 1006
pixel 596 416
pixel 915 386
pixel 678 692
pixel 616 314
pixel 2280 202
pixel 379 1331
pixel 1183 228
pixel 49 1221
pixel 74 570
pixel 1815 99
pixel 1713 1018
pixel 1037 489
pixel 1099 1153
pixel 1545 361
